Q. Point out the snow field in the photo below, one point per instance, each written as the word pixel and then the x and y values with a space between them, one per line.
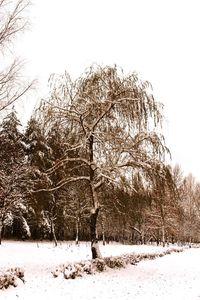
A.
pixel 162 278
pixel 34 256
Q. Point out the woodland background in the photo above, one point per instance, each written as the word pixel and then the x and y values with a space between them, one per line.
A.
pixel 91 162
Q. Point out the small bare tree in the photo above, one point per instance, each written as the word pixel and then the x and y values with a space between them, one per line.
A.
pixel 190 207
pixel 12 22
pixel 112 120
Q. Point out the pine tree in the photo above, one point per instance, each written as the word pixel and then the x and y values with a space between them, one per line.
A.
pixel 12 170
pixel 37 158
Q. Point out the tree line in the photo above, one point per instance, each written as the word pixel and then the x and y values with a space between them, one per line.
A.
pixel 68 177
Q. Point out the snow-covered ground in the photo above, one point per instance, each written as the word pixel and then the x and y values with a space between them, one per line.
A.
pixel 172 277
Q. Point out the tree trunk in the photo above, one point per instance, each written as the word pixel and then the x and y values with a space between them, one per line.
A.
pixel 95 204
pixel 163 235
pixel 172 239
pixel 94 236
pixel 143 241
pixel 103 233
pixel 190 241
pixel 77 231
pixel 158 237
pixel 1 230
pixel 53 233
pixel 162 224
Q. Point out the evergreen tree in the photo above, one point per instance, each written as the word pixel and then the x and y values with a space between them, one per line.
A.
pixel 12 170
pixel 37 158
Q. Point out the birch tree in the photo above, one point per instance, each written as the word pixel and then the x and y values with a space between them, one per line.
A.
pixel 114 126
pixel 12 23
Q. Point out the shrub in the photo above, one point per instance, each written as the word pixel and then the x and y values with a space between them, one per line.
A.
pixel 115 262
pixel 99 264
pixel 11 277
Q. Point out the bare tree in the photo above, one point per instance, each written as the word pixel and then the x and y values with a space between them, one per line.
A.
pixel 112 120
pixel 12 22
pixel 190 207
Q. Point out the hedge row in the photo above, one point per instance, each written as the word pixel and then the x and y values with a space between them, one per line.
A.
pixel 78 269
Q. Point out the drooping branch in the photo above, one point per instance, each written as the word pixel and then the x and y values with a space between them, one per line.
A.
pixel 63 162
pixel 63 183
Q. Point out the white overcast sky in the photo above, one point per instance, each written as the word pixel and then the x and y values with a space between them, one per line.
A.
pixel 160 39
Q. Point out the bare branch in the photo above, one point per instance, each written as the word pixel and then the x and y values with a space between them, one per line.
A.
pixel 63 183
pixel 13 22
pixel 66 160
